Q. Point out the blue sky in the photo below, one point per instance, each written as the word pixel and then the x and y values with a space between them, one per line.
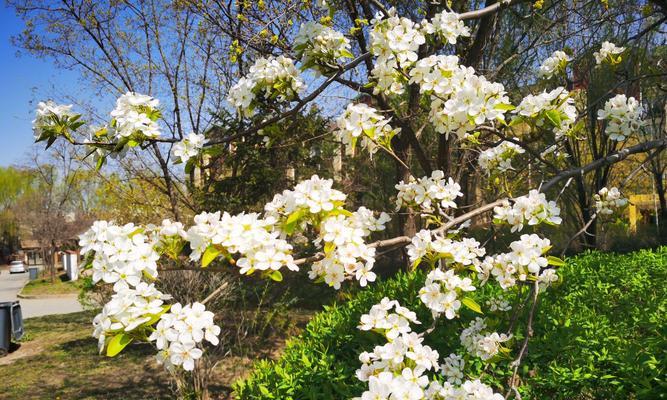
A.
pixel 25 80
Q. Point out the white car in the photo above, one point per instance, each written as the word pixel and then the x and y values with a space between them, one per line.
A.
pixel 16 267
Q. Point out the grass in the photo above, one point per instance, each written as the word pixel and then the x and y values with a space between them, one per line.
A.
pixel 58 359
pixel 44 286
pixel 61 362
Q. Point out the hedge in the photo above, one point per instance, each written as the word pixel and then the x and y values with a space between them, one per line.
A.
pixel 600 334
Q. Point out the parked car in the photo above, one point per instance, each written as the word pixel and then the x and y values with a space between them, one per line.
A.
pixel 16 267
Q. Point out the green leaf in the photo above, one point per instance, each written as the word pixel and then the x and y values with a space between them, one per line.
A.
pixel 50 142
pixel 554 116
pixel 189 167
pixel 555 261
pixel 504 107
pixel 209 255
pixel 118 343
pixel 100 163
pixel 516 121
pixel 472 304
pixel 293 220
pixel 276 276
pixel 136 232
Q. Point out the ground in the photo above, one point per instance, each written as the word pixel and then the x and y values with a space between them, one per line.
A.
pixel 58 359
pixel 11 284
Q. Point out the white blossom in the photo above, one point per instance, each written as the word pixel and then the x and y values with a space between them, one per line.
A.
pixel 136 114
pixel 531 209
pixel 606 200
pixel 448 26
pixel 48 116
pixel 623 116
pixel 606 52
pixel 427 192
pixel 499 158
pixel 554 63
pixel 362 122
pixel 537 109
pixel 188 147
pixel 320 46
pixel 268 79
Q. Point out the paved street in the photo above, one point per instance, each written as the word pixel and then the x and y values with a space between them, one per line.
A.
pixel 10 284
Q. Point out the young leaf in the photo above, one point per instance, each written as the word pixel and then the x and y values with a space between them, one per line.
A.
pixel 555 261
pixel 472 304
pixel 118 343
pixel 276 276
pixel 554 116
pixel 209 255
pixel 504 107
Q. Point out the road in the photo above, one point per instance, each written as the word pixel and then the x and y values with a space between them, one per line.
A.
pixel 11 284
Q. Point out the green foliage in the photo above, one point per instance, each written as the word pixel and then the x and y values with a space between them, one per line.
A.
pixel 598 335
pixel 250 175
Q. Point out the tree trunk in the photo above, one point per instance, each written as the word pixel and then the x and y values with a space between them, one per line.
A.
pixel 588 238
pixel 660 189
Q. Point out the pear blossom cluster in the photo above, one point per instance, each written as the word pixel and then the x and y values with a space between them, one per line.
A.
pixel 461 100
pixel 607 199
pixel 531 209
pixel 425 244
pixel 447 26
pixel 498 304
pixel 390 324
pixel 400 368
pixel 188 147
pixel 48 116
pixel 394 41
pixel 526 260
pixel 128 309
pixel 452 368
pixel 469 390
pixel 320 46
pixel 122 256
pixel 342 233
pixel 180 332
pixel 272 78
pixel 550 110
pixel 396 369
pixel 252 238
pixel 499 158
pixel 428 192
pixel 607 52
pixel 313 196
pixel 347 256
pixel 126 256
pixel 441 292
pixel 136 114
pixel 481 343
pixel 554 63
pixel 623 116
pixel 365 122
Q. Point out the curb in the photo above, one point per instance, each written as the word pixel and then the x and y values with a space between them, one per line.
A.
pixel 45 296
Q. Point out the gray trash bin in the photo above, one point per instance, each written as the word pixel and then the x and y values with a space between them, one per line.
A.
pixel 11 324
pixel 34 273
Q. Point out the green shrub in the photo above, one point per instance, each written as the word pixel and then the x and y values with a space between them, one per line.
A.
pixel 601 334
